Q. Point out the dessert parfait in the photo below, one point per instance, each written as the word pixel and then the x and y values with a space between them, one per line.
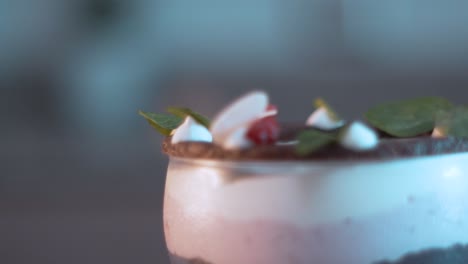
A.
pixel 245 189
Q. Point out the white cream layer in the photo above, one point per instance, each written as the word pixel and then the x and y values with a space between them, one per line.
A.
pixel 309 193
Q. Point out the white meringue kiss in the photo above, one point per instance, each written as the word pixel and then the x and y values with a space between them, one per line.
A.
pixel 237 116
pixel 359 137
pixel 322 119
pixel 190 130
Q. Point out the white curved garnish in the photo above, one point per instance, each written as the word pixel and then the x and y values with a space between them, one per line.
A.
pixel 190 130
pixel 237 139
pixel 239 113
pixel 269 112
pixel 287 143
pixel 359 137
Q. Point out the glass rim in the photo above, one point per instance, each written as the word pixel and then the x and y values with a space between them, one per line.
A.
pixel 229 163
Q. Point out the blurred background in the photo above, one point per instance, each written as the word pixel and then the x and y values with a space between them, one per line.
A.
pixel 82 175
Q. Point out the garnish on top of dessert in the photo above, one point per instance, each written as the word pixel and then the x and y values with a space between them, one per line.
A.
pixel 248 129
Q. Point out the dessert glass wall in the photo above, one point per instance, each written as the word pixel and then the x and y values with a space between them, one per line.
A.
pixel 355 212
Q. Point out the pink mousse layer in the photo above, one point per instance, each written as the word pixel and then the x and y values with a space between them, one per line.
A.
pixel 421 223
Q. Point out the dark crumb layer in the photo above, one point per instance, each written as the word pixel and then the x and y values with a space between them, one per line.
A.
pixel 178 260
pixel 457 254
pixel 388 148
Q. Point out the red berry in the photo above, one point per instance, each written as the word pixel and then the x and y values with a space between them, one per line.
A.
pixel 264 131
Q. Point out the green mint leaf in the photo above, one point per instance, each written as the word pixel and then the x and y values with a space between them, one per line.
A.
pixel 454 122
pixel 313 140
pixel 319 102
pixel 163 123
pixel 407 118
pixel 183 112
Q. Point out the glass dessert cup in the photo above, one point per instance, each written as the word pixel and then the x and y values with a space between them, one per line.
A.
pixel 306 212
